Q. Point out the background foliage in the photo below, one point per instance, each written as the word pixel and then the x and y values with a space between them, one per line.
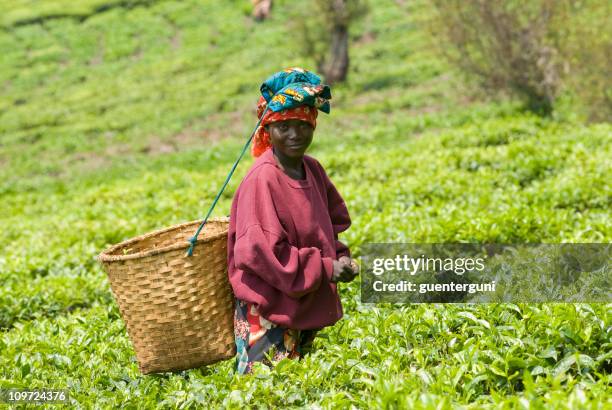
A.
pixel 119 117
pixel 538 50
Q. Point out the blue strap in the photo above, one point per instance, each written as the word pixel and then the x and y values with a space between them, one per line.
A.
pixel 194 239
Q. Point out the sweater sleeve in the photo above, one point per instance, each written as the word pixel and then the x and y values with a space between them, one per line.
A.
pixel 340 218
pixel 262 247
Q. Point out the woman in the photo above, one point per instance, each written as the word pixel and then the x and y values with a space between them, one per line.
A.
pixel 284 257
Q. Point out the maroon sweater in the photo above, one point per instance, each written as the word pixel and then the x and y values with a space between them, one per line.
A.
pixel 282 239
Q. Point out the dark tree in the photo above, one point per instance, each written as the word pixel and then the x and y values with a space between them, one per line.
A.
pixel 325 32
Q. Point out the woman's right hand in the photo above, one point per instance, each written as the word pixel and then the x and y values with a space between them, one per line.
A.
pixel 343 272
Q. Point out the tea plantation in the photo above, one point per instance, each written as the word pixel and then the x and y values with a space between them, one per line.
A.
pixel 120 117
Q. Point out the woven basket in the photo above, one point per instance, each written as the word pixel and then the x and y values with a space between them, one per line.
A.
pixel 178 309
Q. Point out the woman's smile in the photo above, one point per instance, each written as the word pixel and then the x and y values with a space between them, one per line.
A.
pixel 297 145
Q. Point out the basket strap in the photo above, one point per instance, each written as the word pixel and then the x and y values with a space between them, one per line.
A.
pixel 194 239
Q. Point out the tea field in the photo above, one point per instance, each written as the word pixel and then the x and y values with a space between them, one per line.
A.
pixel 120 117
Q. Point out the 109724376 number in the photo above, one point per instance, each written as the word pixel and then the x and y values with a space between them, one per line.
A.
pixel 12 396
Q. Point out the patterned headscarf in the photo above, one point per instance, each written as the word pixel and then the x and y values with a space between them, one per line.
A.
pixel 293 93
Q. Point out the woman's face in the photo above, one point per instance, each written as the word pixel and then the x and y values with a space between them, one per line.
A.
pixel 291 137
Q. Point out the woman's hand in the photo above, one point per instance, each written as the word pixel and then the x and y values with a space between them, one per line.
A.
pixel 351 262
pixel 345 270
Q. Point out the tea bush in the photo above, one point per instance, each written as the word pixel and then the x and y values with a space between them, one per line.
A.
pixel 127 118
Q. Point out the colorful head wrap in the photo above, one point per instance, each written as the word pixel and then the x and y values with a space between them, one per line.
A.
pixel 293 93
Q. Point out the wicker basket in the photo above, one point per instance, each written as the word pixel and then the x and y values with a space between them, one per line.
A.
pixel 178 309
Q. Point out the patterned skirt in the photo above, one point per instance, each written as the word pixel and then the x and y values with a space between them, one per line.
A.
pixel 259 340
